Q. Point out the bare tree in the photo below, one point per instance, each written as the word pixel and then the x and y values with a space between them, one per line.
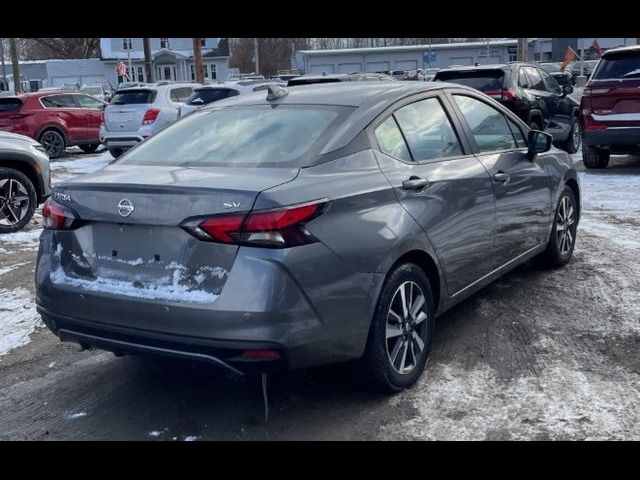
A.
pixel 274 53
pixel 43 48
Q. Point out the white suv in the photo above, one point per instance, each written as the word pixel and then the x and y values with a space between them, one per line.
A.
pixel 135 114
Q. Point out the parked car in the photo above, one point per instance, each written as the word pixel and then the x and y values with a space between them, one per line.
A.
pixel 587 69
pixel 563 77
pixel 135 114
pixel 335 226
pixel 101 91
pixel 338 77
pixel 57 119
pixel 24 180
pixel 430 73
pixel 212 93
pixel 610 108
pixel 529 92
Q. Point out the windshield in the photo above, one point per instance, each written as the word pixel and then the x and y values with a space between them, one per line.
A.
pixel 123 97
pixel 551 67
pixel 247 136
pixel 622 65
pixel 482 80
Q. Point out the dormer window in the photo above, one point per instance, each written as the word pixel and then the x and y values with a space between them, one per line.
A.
pixel 126 44
pixel 164 43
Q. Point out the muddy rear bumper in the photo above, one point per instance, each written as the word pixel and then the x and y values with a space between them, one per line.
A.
pixel 616 138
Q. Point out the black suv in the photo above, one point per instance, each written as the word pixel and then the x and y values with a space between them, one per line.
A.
pixel 529 92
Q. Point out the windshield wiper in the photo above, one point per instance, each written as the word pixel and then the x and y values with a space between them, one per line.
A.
pixel 632 73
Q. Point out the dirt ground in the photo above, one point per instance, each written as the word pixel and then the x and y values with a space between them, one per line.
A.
pixel 536 355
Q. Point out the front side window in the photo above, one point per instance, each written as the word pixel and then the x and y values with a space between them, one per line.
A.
pixel 550 83
pixel 59 101
pixel 391 141
pixel 488 125
pixel 523 80
pixel 428 131
pixel 517 133
pixel 208 95
pixel 247 136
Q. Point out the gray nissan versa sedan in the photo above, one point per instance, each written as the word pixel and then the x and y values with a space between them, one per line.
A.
pixel 306 226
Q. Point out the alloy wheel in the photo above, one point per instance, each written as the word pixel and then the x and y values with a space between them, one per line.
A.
pixel 53 143
pixel 14 201
pixel 565 220
pixel 576 137
pixel 406 328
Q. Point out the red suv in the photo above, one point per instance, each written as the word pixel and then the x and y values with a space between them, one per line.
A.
pixel 57 119
pixel 610 108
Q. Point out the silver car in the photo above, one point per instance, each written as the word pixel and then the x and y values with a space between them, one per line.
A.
pixel 24 180
pixel 306 226
pixel 135 114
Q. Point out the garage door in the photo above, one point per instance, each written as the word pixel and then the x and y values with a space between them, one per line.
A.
pixel 320 68
pixel 92 79
pixel 461 61
pixel 61 81
pixel 407 65
pixel 350 68
pixel 378 67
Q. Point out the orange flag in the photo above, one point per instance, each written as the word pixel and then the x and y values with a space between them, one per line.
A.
pixel 569 56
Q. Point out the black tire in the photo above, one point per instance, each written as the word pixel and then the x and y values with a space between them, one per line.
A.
pixel 594 157
pixel 53 142
pixel 573 142
pixel 89 148
pixel 9 211
pixel 116 152
pixel 376 362
pixel 557 255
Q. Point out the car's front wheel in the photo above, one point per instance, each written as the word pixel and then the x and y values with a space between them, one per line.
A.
pixel 18 200
pixel 594 157
pixel 572 144
pixel 401 332
pixel 563 235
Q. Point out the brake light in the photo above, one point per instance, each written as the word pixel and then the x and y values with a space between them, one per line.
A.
pixel 507 95
pixel 261 355
pixel 150 116
pixel 101 117
pixel 588 123
pixel 280 228
pixel 595 91
pixel 57 217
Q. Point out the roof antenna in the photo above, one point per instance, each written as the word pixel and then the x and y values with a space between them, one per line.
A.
pixel 276 92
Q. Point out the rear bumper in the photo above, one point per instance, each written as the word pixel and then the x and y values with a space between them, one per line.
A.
pixel 619 138
pixel 127 139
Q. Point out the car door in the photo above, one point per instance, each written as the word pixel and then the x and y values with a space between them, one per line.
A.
pixel 547 100
pixel 522 188
pixel 93 109
pixel 63 109
pixel 564 108
pixel 441 185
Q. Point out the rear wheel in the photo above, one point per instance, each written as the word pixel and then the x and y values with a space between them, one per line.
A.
pixel 594 157
pixel 18 200
pixel 572 144
pixel 116 152
pixel 53 143
pixel 563 235
pixel 90 148
pixel 401 332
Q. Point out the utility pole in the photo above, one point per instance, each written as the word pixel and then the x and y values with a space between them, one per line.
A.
pixel 17 86
pixel 255 51
pixel 522 49
pixel 197 58
pixel 129 42
pixel 4 68
pixel 147 60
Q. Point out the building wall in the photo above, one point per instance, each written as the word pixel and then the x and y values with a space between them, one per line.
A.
pixel 112 47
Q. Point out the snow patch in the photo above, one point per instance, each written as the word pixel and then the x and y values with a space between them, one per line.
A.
pixel 155 433
pixel 3 251
pixel 10 268
pixel 72 416
pixel 52 364
pixel 29 238
pixel 18 318
pixel 191 438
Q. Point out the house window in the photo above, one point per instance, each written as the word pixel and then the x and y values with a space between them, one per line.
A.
pixel 513 57
pixel 164 43
pixel 126 44
pixel 140 74
pixel 203 42
pixel 205 69
pixel 193 72
pixel 214 74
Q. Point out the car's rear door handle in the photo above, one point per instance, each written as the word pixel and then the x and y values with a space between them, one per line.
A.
pixel 502 177
pixel 415 183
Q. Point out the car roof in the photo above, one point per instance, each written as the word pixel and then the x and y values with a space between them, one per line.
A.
pixel 630 48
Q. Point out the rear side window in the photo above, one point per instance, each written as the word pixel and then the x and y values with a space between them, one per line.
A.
pixel 208 95
pixel 391 141
pixel 621 66
pixel 550 83
pixel 59 101
pixel 247 136
pixel 536 80
pixel 9 104
pixel 488 125
pixel 126 97
pixel 428 131
pixel 180 94
pixel 86 101
pixel 482 80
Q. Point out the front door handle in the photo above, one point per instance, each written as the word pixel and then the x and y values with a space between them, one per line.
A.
pixel 415 183
pixel 502 177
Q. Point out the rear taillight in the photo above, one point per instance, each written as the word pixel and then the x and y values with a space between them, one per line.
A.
pixel 595 91
pixel 58 217
pixel 150 116
pixel 278 228
pixel 588 122
pixel 101 117
pixel 506 95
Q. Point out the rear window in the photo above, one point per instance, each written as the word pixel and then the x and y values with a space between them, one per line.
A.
pixel 125 97
pixel 9 104
pixel 208 95
pixel 621 65
pixel 248 136
pixel 482 80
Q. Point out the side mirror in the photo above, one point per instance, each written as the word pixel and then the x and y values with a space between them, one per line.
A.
pixel 567 89
pixel 539 142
